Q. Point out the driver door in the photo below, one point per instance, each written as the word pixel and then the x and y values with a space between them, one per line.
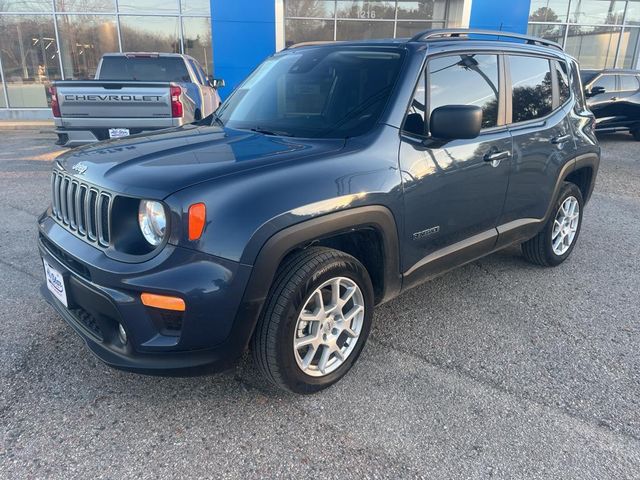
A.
pixel 454 191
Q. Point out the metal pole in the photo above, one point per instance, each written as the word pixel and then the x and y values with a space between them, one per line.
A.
pixel 4 85
pixel 55 29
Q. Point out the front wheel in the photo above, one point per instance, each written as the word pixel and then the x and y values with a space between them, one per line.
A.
pixel 316 320
pixel 555 242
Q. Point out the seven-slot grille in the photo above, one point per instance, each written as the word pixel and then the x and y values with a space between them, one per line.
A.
pixel 81 208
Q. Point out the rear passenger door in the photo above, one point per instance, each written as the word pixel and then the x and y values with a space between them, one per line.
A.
pixel 542 135
pixel 627 102
pixel 453 191
pixel 603 105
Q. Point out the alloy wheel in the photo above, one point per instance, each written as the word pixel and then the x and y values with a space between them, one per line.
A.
pixel 329 326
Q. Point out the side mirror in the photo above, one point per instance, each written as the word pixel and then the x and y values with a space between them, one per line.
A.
pixel 596 91
pixel 453 122
pixel 216 82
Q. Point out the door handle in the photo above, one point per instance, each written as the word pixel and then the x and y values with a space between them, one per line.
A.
pixel 613 99
pixel 561 139
pixel 497 156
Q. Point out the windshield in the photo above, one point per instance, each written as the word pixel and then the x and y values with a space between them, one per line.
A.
pixel 322 92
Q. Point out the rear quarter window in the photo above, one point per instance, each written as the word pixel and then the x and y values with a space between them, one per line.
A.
pixel 562 73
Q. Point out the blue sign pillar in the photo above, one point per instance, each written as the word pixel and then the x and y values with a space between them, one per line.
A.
pixel 509 15
pixel 244 34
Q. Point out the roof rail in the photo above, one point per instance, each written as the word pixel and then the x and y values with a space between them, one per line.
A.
pixel 444 33
pixel 308 44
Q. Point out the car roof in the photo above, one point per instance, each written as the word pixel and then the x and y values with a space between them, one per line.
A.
pixel 142 54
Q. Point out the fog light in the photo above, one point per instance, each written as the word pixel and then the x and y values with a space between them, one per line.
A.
pixel 122 334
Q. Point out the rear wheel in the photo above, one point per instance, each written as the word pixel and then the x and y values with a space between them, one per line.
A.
pixel 636 134
pixel 556 241
pixel 316 320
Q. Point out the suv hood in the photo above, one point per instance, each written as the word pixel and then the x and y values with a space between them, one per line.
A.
pixel 158 164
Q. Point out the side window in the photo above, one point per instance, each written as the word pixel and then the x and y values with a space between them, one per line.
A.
pixel 532 87
pixel 196 72
pixel 563 81
pixel 465 80
pixel 608 82
pixel 414 121
pixel 628 83
pixel 578 89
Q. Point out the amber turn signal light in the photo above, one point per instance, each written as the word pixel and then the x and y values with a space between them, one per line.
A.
pixel 197 219
pixel 163 301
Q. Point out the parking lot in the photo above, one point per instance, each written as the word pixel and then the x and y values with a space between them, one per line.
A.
pixel 498 369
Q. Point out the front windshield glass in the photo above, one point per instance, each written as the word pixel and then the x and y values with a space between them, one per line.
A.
pixel 323 92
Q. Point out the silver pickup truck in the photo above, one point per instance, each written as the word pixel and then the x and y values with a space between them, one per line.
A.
pixel 132 93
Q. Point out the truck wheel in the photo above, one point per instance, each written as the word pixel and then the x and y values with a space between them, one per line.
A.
pixel 555 242
pixel 315 322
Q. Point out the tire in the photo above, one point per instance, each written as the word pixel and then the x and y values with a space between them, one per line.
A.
pixel 540 249
pixel 297 287
pixel 636 134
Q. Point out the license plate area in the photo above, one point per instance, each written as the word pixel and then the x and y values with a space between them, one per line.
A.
pixel 55 283
pixel 118 132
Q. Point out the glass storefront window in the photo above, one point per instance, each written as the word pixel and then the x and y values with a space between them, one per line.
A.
pixel 313 20
pixel 408 29
pixel 84 39
pixel 628 53
pixel 151 6
pixel 28 6
pixel 597 12
pixel 633 13
pixel 553 32
pixel 594 47
pixel 199 7
pixel 150 34
pixel 549 10
pixel 85 6
pixel 197 41
pixel 29 58
pixel 366 9
pixel 422 9
pixel 354 30
pixel 298 31
pixel 3 102
pixel 310 9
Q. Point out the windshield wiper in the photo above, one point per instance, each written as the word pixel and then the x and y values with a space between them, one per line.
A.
pixel 276 133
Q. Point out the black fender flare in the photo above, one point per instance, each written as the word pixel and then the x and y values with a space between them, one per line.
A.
pixel 276 248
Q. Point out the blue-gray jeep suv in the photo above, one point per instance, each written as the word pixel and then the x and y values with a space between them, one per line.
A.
pixel 334 178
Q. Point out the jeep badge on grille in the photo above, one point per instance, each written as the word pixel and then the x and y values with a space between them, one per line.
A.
pixel 80 168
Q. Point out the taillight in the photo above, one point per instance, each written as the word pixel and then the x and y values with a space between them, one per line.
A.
pixel 176 104
pixel 55 106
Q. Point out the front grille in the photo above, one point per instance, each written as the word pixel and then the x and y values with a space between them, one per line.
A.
pixel 82 208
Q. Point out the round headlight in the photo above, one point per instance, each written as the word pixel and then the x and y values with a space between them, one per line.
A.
pixel 152 221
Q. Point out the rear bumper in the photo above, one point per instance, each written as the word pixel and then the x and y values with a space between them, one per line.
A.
pixel 103 294
pixel 74 132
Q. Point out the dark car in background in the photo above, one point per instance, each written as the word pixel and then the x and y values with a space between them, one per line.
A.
pixel 614 98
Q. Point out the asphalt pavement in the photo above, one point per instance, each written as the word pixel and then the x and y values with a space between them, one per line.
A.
pixel 499 369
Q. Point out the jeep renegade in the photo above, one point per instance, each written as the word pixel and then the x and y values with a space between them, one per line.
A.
pixel 334 178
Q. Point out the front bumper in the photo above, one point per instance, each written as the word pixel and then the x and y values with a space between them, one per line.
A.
pixel 103 293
